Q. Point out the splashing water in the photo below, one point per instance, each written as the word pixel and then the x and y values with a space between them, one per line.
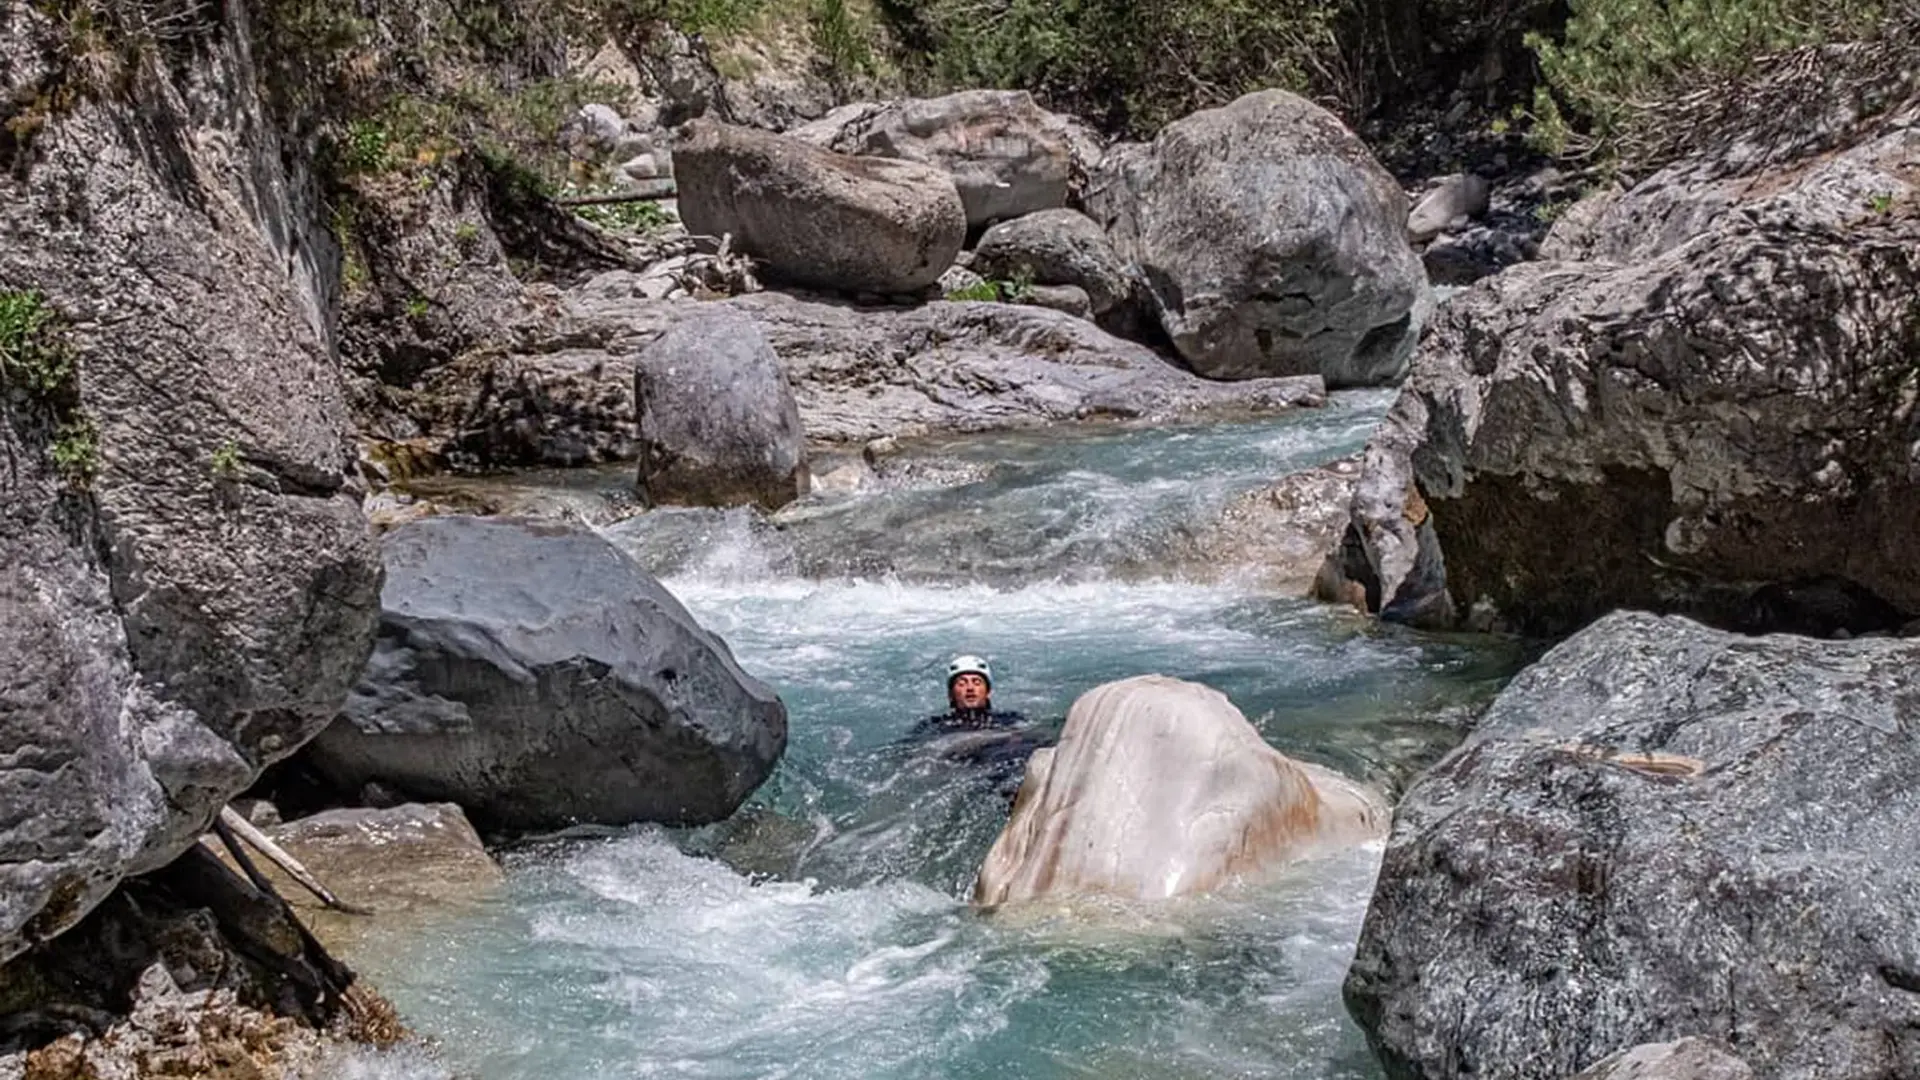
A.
pixel 823 931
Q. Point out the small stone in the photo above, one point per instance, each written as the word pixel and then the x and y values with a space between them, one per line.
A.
pixel 1070 299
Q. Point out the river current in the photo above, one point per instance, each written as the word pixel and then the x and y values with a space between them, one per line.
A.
pixel 824 932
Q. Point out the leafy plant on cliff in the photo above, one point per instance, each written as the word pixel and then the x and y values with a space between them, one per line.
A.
pixel 39 382
pixel 76 450
pixel 33 354
pixel 225 464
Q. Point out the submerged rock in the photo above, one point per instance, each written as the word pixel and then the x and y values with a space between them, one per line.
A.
pixel 718 423
pixel 1276 537
pixel 1271 241
pixel 535 675
pixel 1660 830
pixel 814 217
pixel 406 864
pixel 1160 788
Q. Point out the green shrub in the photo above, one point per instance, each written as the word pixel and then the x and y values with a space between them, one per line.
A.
pixel 980 290
pixel 226 461
pixel 635 217
pixel 1131 65
pixel 76 450
pixel 1620 58
pixel 33 354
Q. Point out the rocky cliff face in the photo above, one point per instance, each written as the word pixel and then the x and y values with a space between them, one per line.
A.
pixel 190 588
pixel 1708 406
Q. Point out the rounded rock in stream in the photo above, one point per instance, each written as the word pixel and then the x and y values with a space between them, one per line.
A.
pixel 718 422
pixel 539 677
pixel 1161 788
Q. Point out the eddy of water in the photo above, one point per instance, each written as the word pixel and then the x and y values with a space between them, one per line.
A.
pixel 823 932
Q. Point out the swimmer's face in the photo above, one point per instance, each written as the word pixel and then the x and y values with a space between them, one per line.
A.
pixel 968 692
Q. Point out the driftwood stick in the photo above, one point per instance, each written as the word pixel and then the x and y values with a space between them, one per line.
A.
pixel 240 856
pixel 278 856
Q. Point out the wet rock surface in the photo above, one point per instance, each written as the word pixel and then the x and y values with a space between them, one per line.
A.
pixel 1682 1059
pixel 1659 830
pixel 1276 537
pixel 1271 241
pixel 1160 788
pixel 404 866
pixel 536 676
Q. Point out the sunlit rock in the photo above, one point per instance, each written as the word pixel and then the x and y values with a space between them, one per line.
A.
pixel 1161 788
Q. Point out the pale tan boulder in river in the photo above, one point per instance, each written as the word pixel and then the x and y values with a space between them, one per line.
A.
pixel 1161 788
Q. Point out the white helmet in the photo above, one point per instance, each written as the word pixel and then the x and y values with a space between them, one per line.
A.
pixel 968 664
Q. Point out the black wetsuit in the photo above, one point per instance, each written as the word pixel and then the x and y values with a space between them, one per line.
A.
pixel 1000 749
pixel 970 720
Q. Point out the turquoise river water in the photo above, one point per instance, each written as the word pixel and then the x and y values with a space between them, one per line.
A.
pixel 824 932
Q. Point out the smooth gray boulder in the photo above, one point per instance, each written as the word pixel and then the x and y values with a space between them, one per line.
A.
pixel 1656 426
pixel 1271 241
pixel 814 217
pixel 1055 247
pixel 1660 830
pixel 189 583
pixel 1691 1058
pixel 718 423
pixel 536 676
pixel 1006 154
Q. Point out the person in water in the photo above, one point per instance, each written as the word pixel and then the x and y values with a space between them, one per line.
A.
pixel 970 699
pixel 972 732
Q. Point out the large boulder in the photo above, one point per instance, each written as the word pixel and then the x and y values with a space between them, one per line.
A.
pixel 535 675
pixel 1161 788
pixel 1056 247
pixel 1271 241
pixel 1660 830
pixel 189 581
pixel 1658 426
pixel 814 217
pixel 718 423
pixel 863 373
pixel 1007 155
